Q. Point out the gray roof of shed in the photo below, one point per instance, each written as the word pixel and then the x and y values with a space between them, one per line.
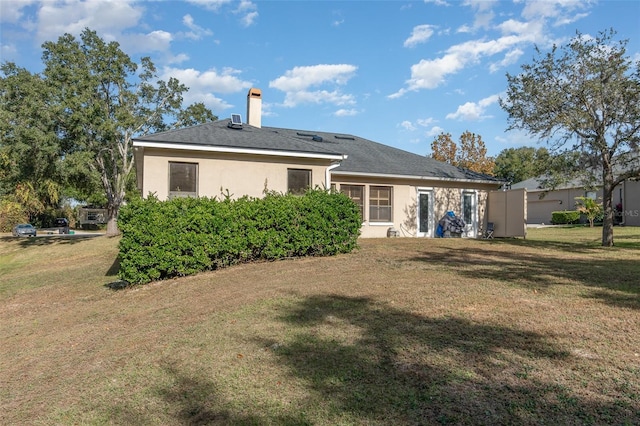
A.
pixel 364 156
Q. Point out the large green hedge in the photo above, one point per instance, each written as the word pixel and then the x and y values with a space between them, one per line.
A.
pixel 565 217
pixel 182 236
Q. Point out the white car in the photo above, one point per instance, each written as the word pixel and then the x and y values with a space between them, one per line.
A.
pixel 24 230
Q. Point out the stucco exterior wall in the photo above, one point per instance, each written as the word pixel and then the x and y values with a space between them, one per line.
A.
pixel 628 193
pixel 243 174
pixel 539 210
pixel 405 204
pixel 219 172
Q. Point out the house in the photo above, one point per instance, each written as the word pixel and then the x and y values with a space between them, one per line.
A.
pixel 91 216
pixel 398 192
pixel 541 202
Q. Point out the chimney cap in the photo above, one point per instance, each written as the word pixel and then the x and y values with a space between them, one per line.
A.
pixel 254 92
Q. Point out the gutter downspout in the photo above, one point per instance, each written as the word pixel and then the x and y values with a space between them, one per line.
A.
pixel 624 198
pixel 327 173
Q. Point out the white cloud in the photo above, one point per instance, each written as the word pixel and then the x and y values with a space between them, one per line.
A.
pixel 213 5
pixel 537 15
pixel 204 85
pixel 107 18
pixel 437 2
pixel 426 122
pixel 155 41
pixel 11 11
pixel 472 111
pixel 420 34
pixel 301 78
pixel 510 58
pixel 293 99
pixel 429 74
pixel 560 11
pixel 249 19
pixel 8 49
pixel 297 82
pixel 197 32
pixel 345 112
pixel 407 125
pixel 225 81
pixel 249 13
pixel 435 131
pixel 484 13
pixel 246 9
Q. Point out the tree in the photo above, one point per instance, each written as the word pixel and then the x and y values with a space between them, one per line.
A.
pixel 589 207
pixel 102 104
pixel 583 100
pixel 518 164
pixel 30 164
pixel 471 154
pixel 444 149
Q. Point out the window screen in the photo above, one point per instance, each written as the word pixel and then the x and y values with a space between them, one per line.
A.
pixel 380 204
pixel 183 179
pixel 356 193
pixel 299 180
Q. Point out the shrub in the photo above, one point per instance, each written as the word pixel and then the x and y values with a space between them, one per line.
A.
pixel 590 208
pixel 11 213
pixel 565 217
pixel 182 236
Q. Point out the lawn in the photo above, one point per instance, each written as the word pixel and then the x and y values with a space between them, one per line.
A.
pixel 544 330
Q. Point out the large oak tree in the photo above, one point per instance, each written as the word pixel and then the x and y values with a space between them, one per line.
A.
pixel 583 100
pixel 103 99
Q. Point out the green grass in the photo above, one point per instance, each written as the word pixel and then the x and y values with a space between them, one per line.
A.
pixel 542 330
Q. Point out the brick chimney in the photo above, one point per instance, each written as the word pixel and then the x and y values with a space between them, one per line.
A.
pixel 254 107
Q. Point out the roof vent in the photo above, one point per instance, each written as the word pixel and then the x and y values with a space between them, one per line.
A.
pixel 313 137
pixel 349 138
pixel 235 122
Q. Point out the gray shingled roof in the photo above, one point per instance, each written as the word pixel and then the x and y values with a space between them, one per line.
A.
pixel 364 156
pixel 369 157
pixel 217 133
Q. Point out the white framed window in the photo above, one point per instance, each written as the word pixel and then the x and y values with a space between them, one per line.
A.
pixel 380 204
pixel 356 193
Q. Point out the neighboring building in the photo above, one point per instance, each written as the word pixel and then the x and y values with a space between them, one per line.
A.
pixel 399 193
pixel 542 202
pixel 91 216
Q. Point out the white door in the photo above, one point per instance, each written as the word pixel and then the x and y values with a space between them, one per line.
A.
pixel 470 213
pixel 425 214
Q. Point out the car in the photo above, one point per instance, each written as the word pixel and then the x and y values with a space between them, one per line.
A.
pixel 24 230
pixel 62 224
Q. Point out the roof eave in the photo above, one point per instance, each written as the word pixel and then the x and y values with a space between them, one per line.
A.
pixel 415 177
pixel 238 150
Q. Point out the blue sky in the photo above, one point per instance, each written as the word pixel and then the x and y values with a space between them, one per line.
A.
pixel 396 72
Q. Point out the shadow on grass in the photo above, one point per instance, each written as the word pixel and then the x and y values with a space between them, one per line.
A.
pixel 194 400
pixel 620 241
pixel 45 240
pixel 394 367
pixel 540 271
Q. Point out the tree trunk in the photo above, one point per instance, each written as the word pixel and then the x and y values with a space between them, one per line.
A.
pixel 607 204
pixel 112 221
